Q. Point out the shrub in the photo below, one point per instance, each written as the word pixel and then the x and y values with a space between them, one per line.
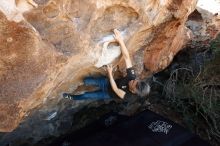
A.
pixel 197 96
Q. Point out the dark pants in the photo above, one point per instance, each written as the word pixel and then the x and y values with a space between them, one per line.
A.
pixel 101 93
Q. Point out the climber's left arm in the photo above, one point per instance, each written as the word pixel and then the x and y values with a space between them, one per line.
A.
pixel 118 91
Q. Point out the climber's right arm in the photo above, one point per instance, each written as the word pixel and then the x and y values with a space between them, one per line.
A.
pixel 124 49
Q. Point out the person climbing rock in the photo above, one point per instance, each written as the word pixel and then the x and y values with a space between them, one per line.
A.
pixel 122 88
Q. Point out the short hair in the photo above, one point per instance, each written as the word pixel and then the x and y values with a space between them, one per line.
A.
pixel 143 88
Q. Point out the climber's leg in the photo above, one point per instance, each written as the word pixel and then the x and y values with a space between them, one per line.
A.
pixel 97 95
pixel 102 82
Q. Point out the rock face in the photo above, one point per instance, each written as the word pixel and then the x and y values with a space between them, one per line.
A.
pixel 204 23
pixel 48 46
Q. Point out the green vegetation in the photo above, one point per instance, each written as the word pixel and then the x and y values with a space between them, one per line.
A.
pixel 197 96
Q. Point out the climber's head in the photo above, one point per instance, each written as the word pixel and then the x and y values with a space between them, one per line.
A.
pixel 140 88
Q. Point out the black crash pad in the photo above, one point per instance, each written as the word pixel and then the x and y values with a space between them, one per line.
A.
pixel 144 129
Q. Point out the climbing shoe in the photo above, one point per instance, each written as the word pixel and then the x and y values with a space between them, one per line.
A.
pixel 67 96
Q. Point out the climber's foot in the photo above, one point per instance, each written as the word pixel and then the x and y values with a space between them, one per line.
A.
pixel 67 96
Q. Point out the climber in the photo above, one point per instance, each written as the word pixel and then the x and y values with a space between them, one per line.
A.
pixel 123 87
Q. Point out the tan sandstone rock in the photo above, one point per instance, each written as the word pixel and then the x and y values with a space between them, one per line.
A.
pixel 47 46
pixel 204 22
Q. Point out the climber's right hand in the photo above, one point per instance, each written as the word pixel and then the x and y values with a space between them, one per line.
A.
pixel 118 36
